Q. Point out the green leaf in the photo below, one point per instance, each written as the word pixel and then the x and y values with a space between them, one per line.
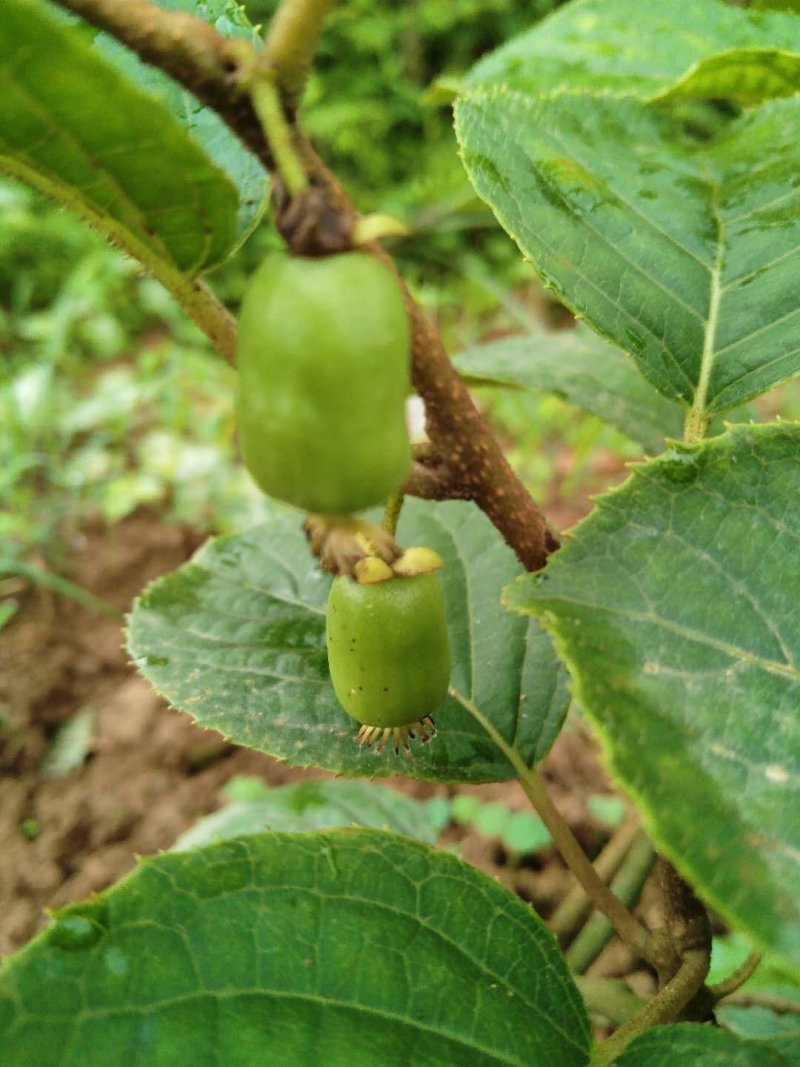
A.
pixel 236 638
pixel 703 1046
pixel 682 253
pixel 580 367
pixel 76 129
pixel 223 146
pixel 788 1045
pixel 315 805
pixel 675 606
pixel 351 947
pixel 627 46
pixel 747 75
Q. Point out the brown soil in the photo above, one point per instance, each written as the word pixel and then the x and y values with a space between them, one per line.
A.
pixel 151 773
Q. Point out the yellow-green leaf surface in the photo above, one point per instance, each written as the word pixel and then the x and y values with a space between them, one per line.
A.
pixel 339 949
pixel 675 604
pixel 77 129
pixel 706 1046
pixel 580 367
pixel 236 637
pixel 627 46
pixel 682 252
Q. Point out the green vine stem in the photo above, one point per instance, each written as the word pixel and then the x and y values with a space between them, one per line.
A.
pixel 611 999
pixel 574 909
pixel 624 922
pixel 269 108
pixel 627 887
pixel 734 981
pixel 291 40
pixel 665 1007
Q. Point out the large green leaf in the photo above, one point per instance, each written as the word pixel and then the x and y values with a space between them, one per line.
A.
pixel 223 146
pixel 236 638
pixel 580 367
pixel 705 1046
pixel 345 948
pixel 628 46
pixel 74 127
pixel 675 606
pixel 313 805
pixel 682 253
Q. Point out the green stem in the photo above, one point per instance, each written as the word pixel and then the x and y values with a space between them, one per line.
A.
pixel 665 1007
pixel 627 926
pixel 610 998
pixel 574 909
pixel 738 978
pixel 268 106
pixel 291 40
pixel 626 886
pixel 391 514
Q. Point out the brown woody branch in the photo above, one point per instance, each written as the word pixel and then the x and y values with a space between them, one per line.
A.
pixel 190 51
pixel 472 465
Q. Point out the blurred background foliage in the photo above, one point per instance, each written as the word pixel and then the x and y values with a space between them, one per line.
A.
pixel 110 399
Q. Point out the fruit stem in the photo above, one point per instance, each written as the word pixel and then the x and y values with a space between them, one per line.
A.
pixel 269 108
pixel 391 514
